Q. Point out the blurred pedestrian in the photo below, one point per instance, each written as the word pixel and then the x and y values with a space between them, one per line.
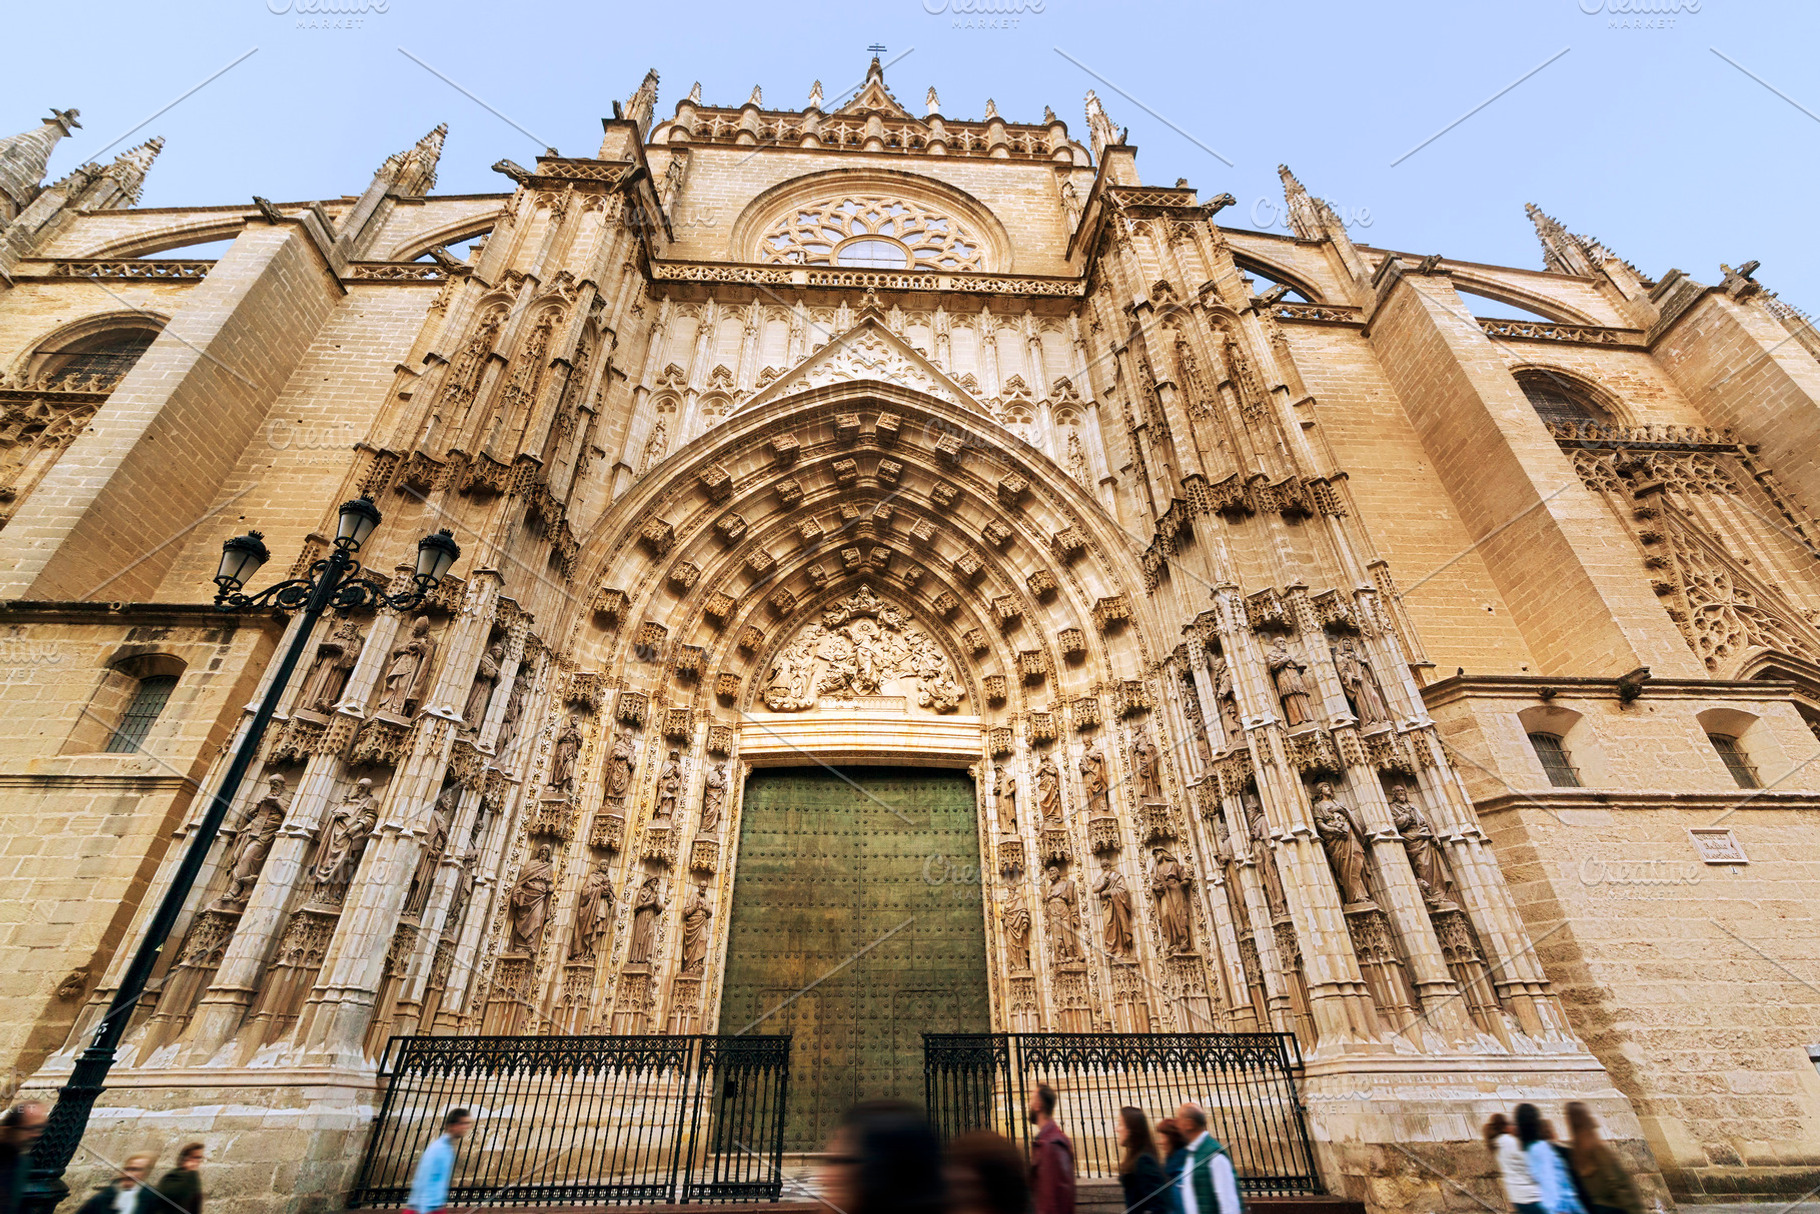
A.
pixel 430 1182
pixel 1607 1187
pixel 182 1185
pixel 985 1174
pixel 884 1159
pixel 1547 1165
pixel 1513 1167
pixel 1174 1145
pixel 20 1127
pixel 1051 1156
pixel 127 1193
pixel 1209 1185
pixel 1140 1171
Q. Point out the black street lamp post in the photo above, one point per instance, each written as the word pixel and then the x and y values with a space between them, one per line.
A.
pixel 334 582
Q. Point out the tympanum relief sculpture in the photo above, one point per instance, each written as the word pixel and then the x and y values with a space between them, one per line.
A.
pixel 862 648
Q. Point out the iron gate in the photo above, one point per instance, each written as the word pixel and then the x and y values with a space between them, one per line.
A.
pixel 1245 1081
pixel 585 1120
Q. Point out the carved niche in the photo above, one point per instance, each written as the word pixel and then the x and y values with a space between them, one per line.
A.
pixel 862 649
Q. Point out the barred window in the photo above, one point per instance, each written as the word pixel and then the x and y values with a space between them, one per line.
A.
pixel 1736 761
pixel 1556 399
pixel 153 694
pixel 1555 760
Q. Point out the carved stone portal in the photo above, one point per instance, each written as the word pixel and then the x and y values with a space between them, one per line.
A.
pixel 862 647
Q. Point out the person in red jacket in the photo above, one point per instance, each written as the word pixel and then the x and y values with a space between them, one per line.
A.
pixel 1051 1157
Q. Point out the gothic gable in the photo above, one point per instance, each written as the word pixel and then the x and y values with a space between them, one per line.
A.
pixel 867 351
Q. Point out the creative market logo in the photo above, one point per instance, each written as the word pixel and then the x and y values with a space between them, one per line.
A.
pixel 328 14
pixel 984 14
pixel 1639 14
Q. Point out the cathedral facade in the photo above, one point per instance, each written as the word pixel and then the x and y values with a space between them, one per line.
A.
pixel 1247 635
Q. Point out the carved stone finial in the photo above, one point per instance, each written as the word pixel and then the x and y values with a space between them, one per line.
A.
pixel 758 96
pixel 933 102
pixel 695 94
pixel 815 95
pixel 991 109
pixel 1099 126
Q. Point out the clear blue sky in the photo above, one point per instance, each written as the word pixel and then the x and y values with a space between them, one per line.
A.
pixel 1640 134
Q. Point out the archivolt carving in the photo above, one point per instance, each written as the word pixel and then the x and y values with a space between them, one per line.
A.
pixel 862 647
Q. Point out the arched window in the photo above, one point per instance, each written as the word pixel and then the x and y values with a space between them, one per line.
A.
pixel 871 231
pixel 132 697
pixel 97 361
pixel 1735 760
pixel 1557 764
pixel 1558 399
pixel 149 699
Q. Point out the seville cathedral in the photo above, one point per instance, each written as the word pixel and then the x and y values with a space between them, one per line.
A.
pixel 914 577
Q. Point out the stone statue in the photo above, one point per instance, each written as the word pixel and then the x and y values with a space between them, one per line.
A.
pixel 619 767
pixel 480 696
pixel 1063 907
pixel 1174 913
pixel 1144 778
pixel 1110 890
pixel 1049 792
pixel 1227 699
pixel 1004 797
pixel 442 816
pixel 562 756
pixel 713 799
pixel 1259 830
pixel 1017 934
pixel 254 842
pixel 669 788
pixel 593 914
pixel 1361 685
pixel 528 905
pixel 1286 672
pixel 345 839
pixel 407 674
pixel 1342 840
pixel 513 721
pixel 1421 846
pixel 696 917
pixel 335 660
pixel 645 909
pixel 1093 782
pixel 464 889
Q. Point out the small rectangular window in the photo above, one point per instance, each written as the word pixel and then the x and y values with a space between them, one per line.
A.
pixel 148 701
pixel 1559 768
pixel 1735 760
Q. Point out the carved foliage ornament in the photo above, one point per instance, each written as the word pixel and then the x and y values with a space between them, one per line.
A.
pixel 862 647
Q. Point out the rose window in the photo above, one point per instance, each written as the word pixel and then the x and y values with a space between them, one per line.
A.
pixel 871 233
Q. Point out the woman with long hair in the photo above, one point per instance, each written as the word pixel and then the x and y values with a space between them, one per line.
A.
pixel 1547 1163
pixel 1520 1188
pixel 1173 1140
pixel 1608 1187
pixel 1140 1171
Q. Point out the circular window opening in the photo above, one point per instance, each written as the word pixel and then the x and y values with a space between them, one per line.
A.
pixel 871 253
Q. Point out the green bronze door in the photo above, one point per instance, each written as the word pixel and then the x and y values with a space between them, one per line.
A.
pixel 856 927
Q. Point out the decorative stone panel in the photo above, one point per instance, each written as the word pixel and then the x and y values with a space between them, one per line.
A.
pixel 1007 610
pixel 726 685
pixel 781 602
pixel 945 604
pixel 1032 665
pixel 1041 583
pixel 1068 543
pixel 1042 727
pixel 1012 488
pixel 818 576
pixel 750 638
pixel 976 641
pixel 1131 697
pixel 996 533
pixel 810 529
pixel 968 568
pixel 846 471
pixel 784 449
pixel 717 482
pixel 651 635
pixel 683 575
pixel 994 687
pixel 690 659
pixel 634 706
pixel 585 689
pixel 610 603
pixel 656 536
pixel 851 558
pixel 719 607
pixel 949 445
pixel 846 427
pixel 890 471
pixel 1086 712
pixel 679 724
pixel 760 563
pixel 720 740
pixel 923 532
pixel 887 427
pixel 1111 612
pixel 731 528
pixel 943 495
pixel 999 740
pixel 1073 642
pixel 789 491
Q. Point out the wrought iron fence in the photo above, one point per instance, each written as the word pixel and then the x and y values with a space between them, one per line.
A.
pixel 1245 1081
pixel 585 1120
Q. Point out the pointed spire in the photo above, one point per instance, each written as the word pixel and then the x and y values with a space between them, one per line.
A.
pixel 129 170
pixel 933 102
pixel 23 158
pixel 758 96
pixel 1304 210
pixel 643 101
pixel 695 94
pixel 815 95
pixel 1562 251
pixel 1048 115
pixel 876 73
pixel 412 172
pixel 991 110
pixel 1099 126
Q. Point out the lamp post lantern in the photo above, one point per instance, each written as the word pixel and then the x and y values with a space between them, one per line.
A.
pixel 333 582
